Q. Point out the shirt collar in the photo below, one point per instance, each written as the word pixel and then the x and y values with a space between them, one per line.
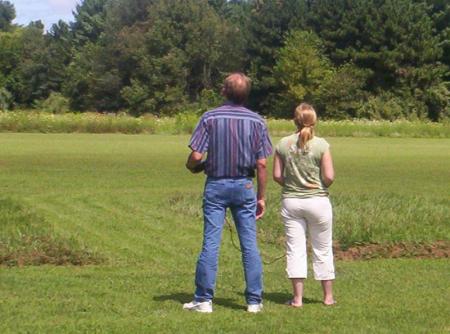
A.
pixel 232 104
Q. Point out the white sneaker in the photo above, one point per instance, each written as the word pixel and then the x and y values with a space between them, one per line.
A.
pixel 254 308
pixel 203 307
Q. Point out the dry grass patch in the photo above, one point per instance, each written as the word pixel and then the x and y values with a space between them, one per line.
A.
pixel 432 250
pixel 27 239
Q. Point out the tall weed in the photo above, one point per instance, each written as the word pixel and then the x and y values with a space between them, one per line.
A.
pixel 184 123
pixel 358 219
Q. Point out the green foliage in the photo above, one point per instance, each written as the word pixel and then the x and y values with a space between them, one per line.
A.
pixel 177 59
pixel 59 54
pixel 341 95
pixel 425 86
pixel 304 73
pixel 94 83
pixel 184 122
pixel 7 15
pixel 86 122
pixel 377 35
pixel 396 129
pixel 93 80
pixel 439 11
pixel 437 99
pixel 56 103
pixel 11 49
pixel 383 106
pixel 25 64
pixel 137 98
pixel 301 69
pixel 264 31
pixel 346 57
pixel 89 21
pixel 401 51
pixel 6 99
pixel 125 13
pixel 209 99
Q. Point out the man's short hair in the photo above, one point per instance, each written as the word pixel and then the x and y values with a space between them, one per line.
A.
pixel 236 87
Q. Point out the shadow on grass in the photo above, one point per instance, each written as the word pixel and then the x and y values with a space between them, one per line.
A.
pixel 282 298
pixel 183 297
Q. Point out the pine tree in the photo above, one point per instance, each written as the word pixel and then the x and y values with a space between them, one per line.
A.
pixel 268 23
pixel 7 15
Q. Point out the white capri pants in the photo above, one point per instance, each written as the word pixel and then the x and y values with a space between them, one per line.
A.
pixel 314 214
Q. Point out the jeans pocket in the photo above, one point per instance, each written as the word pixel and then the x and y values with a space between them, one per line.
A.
pixel 212 191
pixel 247 192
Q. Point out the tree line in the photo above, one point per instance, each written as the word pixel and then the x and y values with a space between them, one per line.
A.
pixel 375 59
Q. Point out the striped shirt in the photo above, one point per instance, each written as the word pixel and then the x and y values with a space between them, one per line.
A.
pixel 234 138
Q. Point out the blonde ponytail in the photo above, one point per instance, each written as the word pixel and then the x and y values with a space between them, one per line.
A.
pixel 305 119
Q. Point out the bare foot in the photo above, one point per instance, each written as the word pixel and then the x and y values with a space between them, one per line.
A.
pixel 329 302
pixel 292 303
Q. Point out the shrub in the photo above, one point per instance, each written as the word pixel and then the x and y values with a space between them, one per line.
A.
pixel 300 69
pixel 437 99
pixel 381 107
pixel 6 99
pixel 186 122
pixel 209 98
pixel 342 94
pixel 137 98
pixel 56 103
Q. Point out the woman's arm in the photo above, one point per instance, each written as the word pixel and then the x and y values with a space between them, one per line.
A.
pixel 278 169
pixel 326 169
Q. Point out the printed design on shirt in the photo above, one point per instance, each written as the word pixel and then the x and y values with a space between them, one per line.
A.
pixel 297 160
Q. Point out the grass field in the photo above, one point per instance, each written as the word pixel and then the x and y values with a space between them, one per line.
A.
pixel 127 202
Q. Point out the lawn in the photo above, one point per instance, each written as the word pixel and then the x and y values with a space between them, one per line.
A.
pixel 128 201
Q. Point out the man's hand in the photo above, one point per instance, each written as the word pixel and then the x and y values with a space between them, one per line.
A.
pixel 260 208
pixel 198 168
pixel 194 162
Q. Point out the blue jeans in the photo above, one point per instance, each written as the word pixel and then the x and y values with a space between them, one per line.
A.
pixel 238 195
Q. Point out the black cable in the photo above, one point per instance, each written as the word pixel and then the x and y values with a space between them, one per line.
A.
pixel 233 242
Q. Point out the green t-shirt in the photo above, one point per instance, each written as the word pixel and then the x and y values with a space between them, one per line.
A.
pixel 302 168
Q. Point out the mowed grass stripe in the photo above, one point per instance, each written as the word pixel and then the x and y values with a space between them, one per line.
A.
pixel 374 297
pixel 120 190
pixel 128 235
pixel 131 199
pixel 147 171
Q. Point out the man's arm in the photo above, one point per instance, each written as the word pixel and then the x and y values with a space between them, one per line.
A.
pixel 194 162
pixel 261 179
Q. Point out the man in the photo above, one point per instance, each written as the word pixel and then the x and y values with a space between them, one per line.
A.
pixel 236 141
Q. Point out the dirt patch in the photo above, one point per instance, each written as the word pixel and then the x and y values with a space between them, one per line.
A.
pixel 434 250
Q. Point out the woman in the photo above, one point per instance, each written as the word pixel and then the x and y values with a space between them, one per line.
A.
pixel 304 168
